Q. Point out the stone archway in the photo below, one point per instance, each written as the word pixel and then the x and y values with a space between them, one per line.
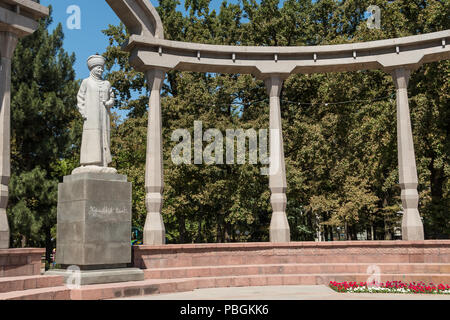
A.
pixel 153 55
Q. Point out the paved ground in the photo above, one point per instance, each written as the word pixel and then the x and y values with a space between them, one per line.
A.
pixel 283 293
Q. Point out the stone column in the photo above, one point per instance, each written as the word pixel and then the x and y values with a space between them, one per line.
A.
pixel 279 226
pixel 154 230
pixel 412 227
pixel 8 43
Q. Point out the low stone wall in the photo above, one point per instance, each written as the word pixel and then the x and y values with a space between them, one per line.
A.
pixel 188 255
pixel 20 262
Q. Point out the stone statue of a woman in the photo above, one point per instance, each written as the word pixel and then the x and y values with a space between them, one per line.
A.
pixel 95 99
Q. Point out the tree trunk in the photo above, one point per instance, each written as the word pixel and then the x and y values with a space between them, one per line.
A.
pixel 199 232
pixel 346 231
pixel 325 228
pixel 182 230
pixel 310 224
pixel 437 179
pixel 48 245
pixel 226 233
pixel 218 231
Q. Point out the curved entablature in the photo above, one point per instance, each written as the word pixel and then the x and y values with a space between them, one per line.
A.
pixel 139 16
pixel 148 52
pixel 260 61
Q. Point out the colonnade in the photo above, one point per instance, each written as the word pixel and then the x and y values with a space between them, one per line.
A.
pixel 154 56
pixel 18 18
pixel 154 230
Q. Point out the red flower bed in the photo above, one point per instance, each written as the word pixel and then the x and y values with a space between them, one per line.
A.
pixel 390 287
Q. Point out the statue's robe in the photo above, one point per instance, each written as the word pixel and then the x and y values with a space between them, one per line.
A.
pixel 95 143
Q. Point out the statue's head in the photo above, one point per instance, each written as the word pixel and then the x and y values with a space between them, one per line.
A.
pixel 95 64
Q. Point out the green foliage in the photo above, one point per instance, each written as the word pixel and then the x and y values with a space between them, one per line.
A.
pixel 45 134
pixel 341 159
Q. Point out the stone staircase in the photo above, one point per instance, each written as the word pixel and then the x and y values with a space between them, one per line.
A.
pixel 296 263
pixel 178 268
pixel 33 288
pixel 305 274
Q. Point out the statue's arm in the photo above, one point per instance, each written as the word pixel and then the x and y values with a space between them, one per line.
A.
pixel 111 100
pixel 81 98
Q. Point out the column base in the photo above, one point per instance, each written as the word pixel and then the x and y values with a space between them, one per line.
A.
pixel 279 228
pixel 412 226
pixel 4 231
pixel 98 276
pixel 154 230
pixel 18 262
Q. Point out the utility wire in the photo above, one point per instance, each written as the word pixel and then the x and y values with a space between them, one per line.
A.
pixel 391 96
pixel 302 103
pixel 340 102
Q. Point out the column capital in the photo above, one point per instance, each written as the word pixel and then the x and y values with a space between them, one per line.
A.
pixel 401 77
pixel 155 78
pixel 8 42
pixel 274 83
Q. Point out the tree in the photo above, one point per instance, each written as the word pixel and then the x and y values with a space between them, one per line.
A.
pixel 339 129
pixel 46 131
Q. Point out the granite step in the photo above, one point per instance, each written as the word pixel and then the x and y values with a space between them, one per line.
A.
pixel 48 293
pixel 21 283
pixel 156 286
pixel 311 279
pixel 219 254
pixel 206 260
pixel 337 268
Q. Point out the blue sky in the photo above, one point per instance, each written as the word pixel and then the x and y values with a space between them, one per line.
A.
pixel 96 15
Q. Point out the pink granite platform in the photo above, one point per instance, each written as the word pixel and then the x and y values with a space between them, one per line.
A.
pixel 9 284
pixel 20 262
pixel 180 268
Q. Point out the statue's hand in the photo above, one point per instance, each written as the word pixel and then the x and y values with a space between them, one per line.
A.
pixel 108 104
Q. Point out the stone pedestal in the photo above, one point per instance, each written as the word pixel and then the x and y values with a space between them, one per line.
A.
pixel 94 227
